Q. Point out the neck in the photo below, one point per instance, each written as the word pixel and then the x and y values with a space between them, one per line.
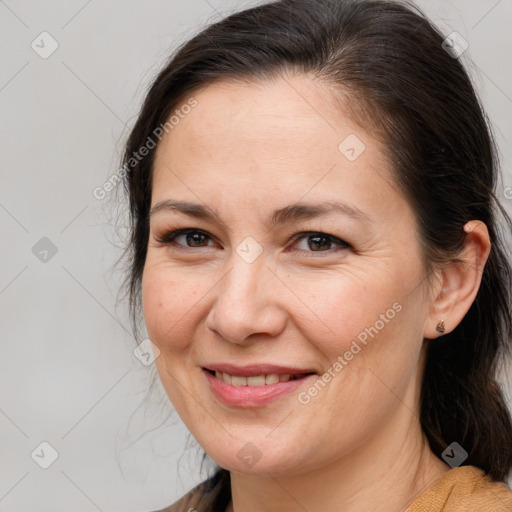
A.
pixel 383 475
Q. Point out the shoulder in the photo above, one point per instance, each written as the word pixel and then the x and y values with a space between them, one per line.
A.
pixel 466 488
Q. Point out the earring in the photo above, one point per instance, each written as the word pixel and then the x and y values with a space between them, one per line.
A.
pixel 440 327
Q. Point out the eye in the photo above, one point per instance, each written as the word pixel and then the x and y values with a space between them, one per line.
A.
pixel 315 241
pixel 192 237
pixel 320 242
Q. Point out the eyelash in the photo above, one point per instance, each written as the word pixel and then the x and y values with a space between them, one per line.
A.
pixel 168 239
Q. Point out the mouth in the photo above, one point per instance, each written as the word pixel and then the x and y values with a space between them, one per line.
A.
pixel 252 387
pixel 267 379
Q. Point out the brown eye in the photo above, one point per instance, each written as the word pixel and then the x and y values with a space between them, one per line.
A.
pixel 320 242
pixel 192 238
pixel 195 239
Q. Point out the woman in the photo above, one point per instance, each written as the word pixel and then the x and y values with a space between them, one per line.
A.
pixel 316 252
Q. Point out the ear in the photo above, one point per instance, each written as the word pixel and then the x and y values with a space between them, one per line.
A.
pixel 459 281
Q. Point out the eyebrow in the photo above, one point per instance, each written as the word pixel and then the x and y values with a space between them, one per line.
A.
pixel 292 212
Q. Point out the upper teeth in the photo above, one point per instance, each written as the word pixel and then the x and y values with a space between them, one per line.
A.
pixel 256 380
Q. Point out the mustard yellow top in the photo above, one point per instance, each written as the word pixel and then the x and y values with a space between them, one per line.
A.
pixel 463 489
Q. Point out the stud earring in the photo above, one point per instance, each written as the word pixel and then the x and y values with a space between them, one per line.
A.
pixel 440 327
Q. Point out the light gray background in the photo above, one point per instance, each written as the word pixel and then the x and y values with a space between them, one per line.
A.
pixel 67 372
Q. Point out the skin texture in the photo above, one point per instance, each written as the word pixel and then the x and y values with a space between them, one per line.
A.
pixel 244 151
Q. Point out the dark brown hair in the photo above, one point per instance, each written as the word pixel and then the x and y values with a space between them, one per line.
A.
pixel 390 60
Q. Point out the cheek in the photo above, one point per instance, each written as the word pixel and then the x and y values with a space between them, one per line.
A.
pixel 340 310
pixel 167 303
pixel 369 333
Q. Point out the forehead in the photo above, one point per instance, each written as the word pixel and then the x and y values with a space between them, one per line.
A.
pixel 289 135
pixel 273 116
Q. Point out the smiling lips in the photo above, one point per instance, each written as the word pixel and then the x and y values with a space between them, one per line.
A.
pixel 255 380
pixel 253 386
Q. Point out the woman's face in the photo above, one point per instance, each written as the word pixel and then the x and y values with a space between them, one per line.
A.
pixel 260 287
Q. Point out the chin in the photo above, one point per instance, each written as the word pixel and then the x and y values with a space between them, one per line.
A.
pixel 251 459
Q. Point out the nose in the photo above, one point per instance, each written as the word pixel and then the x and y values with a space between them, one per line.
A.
pixel 246 306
